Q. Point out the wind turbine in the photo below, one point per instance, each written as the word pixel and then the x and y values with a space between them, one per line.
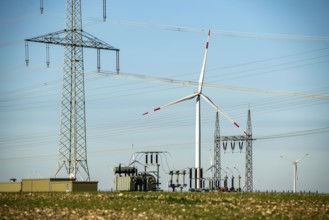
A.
pixel 198 94
pixel 294 163
pixel 211 162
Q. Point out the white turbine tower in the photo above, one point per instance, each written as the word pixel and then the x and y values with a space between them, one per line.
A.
pixel 294 163
pixel 199 94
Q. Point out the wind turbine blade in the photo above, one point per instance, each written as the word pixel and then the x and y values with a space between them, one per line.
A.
pixel 204 64
pixel 221 111
pixel 209 168
pixel 211 163
pixel 172 103
pixel 283 157
pixel 298 160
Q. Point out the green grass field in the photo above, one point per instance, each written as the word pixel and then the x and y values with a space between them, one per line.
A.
pixel 163 205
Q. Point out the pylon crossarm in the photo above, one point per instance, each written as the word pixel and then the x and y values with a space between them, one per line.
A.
pixel 91 41
pixel 59 38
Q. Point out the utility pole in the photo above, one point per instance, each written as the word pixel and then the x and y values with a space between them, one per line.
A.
pixel 72 148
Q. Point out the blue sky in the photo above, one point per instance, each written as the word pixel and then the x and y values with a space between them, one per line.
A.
pixel 280 46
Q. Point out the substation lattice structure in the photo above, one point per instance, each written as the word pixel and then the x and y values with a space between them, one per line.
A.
pixel 218 139
pixel 72 148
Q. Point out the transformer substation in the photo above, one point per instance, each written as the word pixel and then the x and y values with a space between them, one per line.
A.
pixel 129 178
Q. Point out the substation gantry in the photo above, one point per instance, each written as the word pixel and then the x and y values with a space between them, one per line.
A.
pixel 240 139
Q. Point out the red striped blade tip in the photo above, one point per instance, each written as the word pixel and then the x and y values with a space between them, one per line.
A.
pixel 236 124
pixel 145 113
pixel 156 109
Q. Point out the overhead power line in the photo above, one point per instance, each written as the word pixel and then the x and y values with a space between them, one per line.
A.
pixel 220 32
pixel 135 76
pixel 296 133
pixel 310 132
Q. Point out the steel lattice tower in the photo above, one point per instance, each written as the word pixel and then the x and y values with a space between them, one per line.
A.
pixel 217 156
pixel 240 139
pixel 72 149
pixel 249 174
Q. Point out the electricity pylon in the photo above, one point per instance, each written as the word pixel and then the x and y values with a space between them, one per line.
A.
pixel 249 169
pixel 72 149
pixel 217 156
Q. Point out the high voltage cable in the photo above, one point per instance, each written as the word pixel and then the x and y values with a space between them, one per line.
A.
pixel 180 29
pixel 128 127
pixel 269 59
pixel 222 32
pixel 141 77
pixel 230 77
pixel 317 131
pixel 135 76
pixel 310 132
pixel 25 90
pixel 307 95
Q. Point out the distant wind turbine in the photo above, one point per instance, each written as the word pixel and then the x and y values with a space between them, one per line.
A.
pixel 199 94
pixel 294 163
pixel 211 163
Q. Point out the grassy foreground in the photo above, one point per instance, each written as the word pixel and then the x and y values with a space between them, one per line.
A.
pixel 163 205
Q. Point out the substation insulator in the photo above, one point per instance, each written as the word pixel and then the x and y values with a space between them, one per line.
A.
pixel 225 146
pixel 171 176
pixel 225 182
pixel 191 177
pixel 241 146
pixel 47 56
pixel 232 145
pixel 177 177
pixel 27 53
pixel 195 177
pixel 98 60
